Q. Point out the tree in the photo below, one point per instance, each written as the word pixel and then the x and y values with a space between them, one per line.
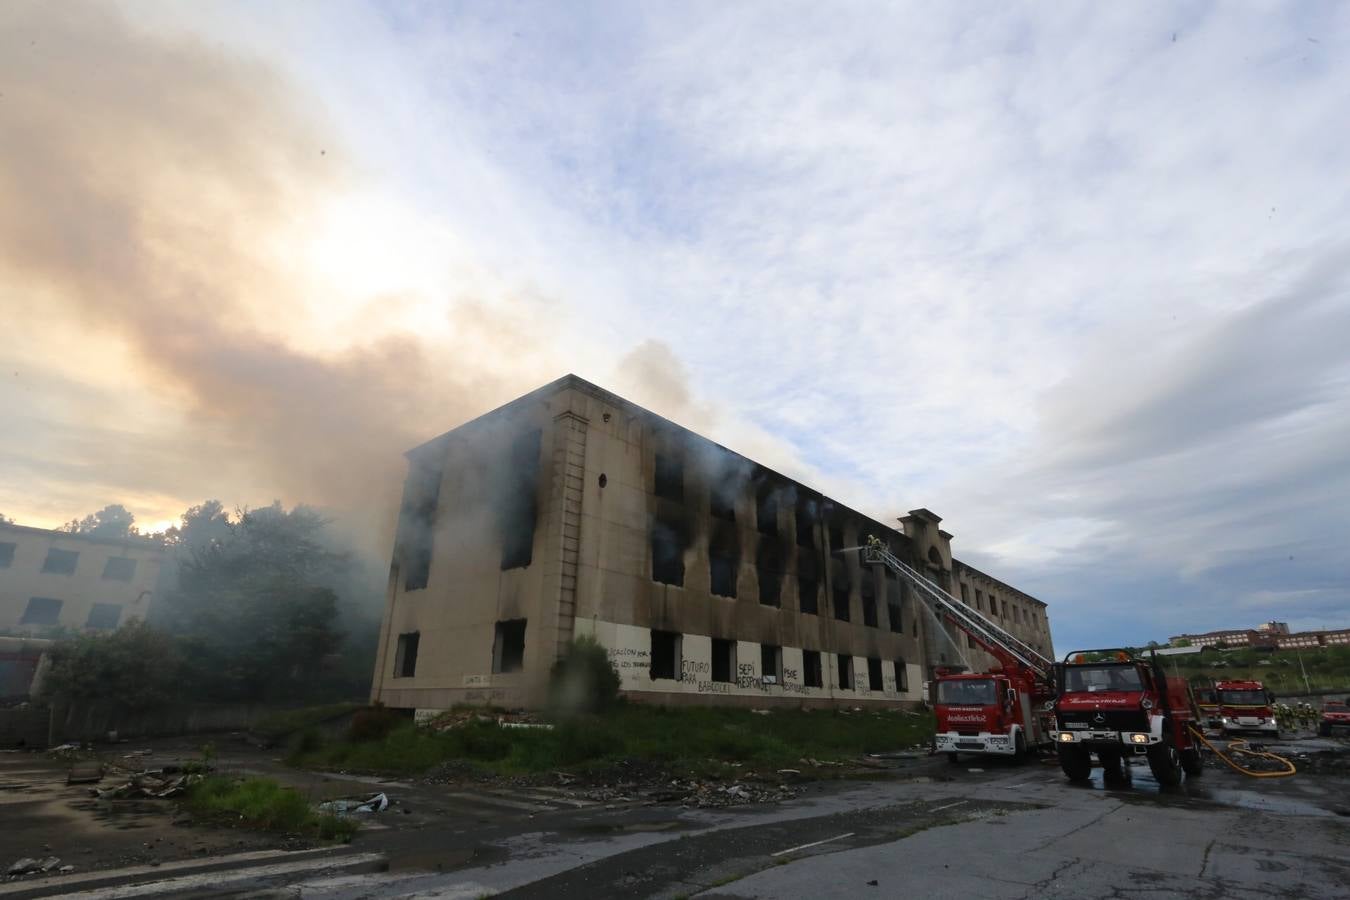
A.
pixel 200 526
pixel 256 602
pixel 112 521
pixel 5 520
pixel 136 667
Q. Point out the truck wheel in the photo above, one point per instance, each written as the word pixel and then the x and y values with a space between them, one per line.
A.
pixel 1165 763
pixel 1020 749
pixel 1192 762
pixel 1075 761
pixel 1324 729
pixel 1112 771
pixel 953 757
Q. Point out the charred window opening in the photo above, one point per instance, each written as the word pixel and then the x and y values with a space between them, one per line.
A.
pixel 119 568
pixel 518 509
pixel 416 520
pixel 60 562
pixel 665 654
pixel 874 675
pixel 979 600
pixel 970 642
pixel 668 543
pixel 508 647
pixel 869 601
pixel 807 514
pixel 844 666
pixel 722 500
pixel 901 676
pixel 837 540
pixel 811 674
pixel 840 593
pixel 405 658
pixel 669 477
pixel 103 616
pixel 965 594
pixel 724 560
pixel 894 601
pixel 769 567
pixel 770 663
pixel 808 584
pixel 41 611
pixel 723 660
pixel 766 509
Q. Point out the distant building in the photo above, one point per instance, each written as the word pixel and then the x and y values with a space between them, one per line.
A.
pixel 53 581
pixel 1270 636
pixel 708 578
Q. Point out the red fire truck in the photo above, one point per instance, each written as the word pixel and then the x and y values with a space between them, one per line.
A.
pixel 1112 703
pixel 1000 712
pixel 1207 700
pixel 1246 706
pixel 1335 714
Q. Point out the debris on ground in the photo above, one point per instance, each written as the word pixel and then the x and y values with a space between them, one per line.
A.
pixel 28 865
pixel 148 785
pixel 85 773
pixel 457 718
pixel 347 805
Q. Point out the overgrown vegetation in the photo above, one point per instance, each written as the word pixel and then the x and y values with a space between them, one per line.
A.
pixel 585 679
pixel 263 804
pixel 701 739
pixel 1282 671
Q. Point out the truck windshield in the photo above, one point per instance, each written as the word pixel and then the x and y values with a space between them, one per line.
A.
pixel 1204 697
pixel 972 692
pixel 1102 678
pixel 1244 698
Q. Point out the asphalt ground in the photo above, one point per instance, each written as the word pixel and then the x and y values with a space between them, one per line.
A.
pixel 927 828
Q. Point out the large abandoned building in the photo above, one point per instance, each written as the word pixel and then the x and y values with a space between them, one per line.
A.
pixel 709 578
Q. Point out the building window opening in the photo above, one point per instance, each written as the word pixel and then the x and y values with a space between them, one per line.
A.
pixel 869 602
pixel 518 510
pixel 119 568
pixel 811 674
pixel 723 660
pixel 103 616
pixel 724 560
pixel 841 611
pixel 722 501
pixel 60 562
pixel 874 675
pixel 807 514
pixel 894 602
pixel 416 524
pixel 669 477
pixel 41 611
pixel 845 671
pixel 808 595
pixel 766 510
pixel 667 552
pixel 769 567
pixel 837 540
pixel 979 600
pixel 901 676
pixel 770 663
pixel 405 657
pixel 665 654
pixel 508 647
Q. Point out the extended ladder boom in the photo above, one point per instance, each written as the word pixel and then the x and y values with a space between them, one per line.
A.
pixel 994 638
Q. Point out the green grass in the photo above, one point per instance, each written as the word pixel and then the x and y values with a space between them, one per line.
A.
pixel 289 721
pixel 265 805
pixel 1327 668
pixel 705 739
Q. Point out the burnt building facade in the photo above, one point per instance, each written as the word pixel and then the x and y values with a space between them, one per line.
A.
pixel 709 578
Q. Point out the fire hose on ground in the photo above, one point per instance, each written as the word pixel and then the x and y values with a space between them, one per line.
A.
pixel 1240 747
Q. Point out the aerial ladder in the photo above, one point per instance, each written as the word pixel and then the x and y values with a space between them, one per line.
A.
pixel 1006 712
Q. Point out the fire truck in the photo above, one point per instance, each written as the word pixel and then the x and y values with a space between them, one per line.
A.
pixel 1001 712
pixel 1207 700
pixel 1335 714
pixel 1246 706
pixel 1115 704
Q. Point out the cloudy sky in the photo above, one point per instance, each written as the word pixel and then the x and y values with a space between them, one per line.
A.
pixel 1073 276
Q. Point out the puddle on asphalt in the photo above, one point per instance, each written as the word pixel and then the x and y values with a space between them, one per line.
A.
pixel 1139 786
pixel 444 859
pixel 627 827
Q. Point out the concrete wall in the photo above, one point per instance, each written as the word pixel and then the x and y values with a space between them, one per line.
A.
pixel 591 570
pixel 23 579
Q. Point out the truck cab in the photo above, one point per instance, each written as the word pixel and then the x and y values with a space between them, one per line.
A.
pixel 1246 706
pixel 989 713
pixel 1207 701
pixel 1111 703
pixel 1335 716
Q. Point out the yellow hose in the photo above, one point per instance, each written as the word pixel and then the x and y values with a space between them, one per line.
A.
pixel 1238 746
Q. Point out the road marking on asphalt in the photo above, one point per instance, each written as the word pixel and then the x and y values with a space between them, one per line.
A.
pixel 948 806
pixel 838 837
pixel 500 802
pixel 186 885
pixel 163 871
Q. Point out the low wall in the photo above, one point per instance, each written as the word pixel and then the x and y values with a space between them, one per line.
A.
pixel 91 721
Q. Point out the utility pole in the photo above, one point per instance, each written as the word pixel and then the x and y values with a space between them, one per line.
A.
pixel 1306 686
